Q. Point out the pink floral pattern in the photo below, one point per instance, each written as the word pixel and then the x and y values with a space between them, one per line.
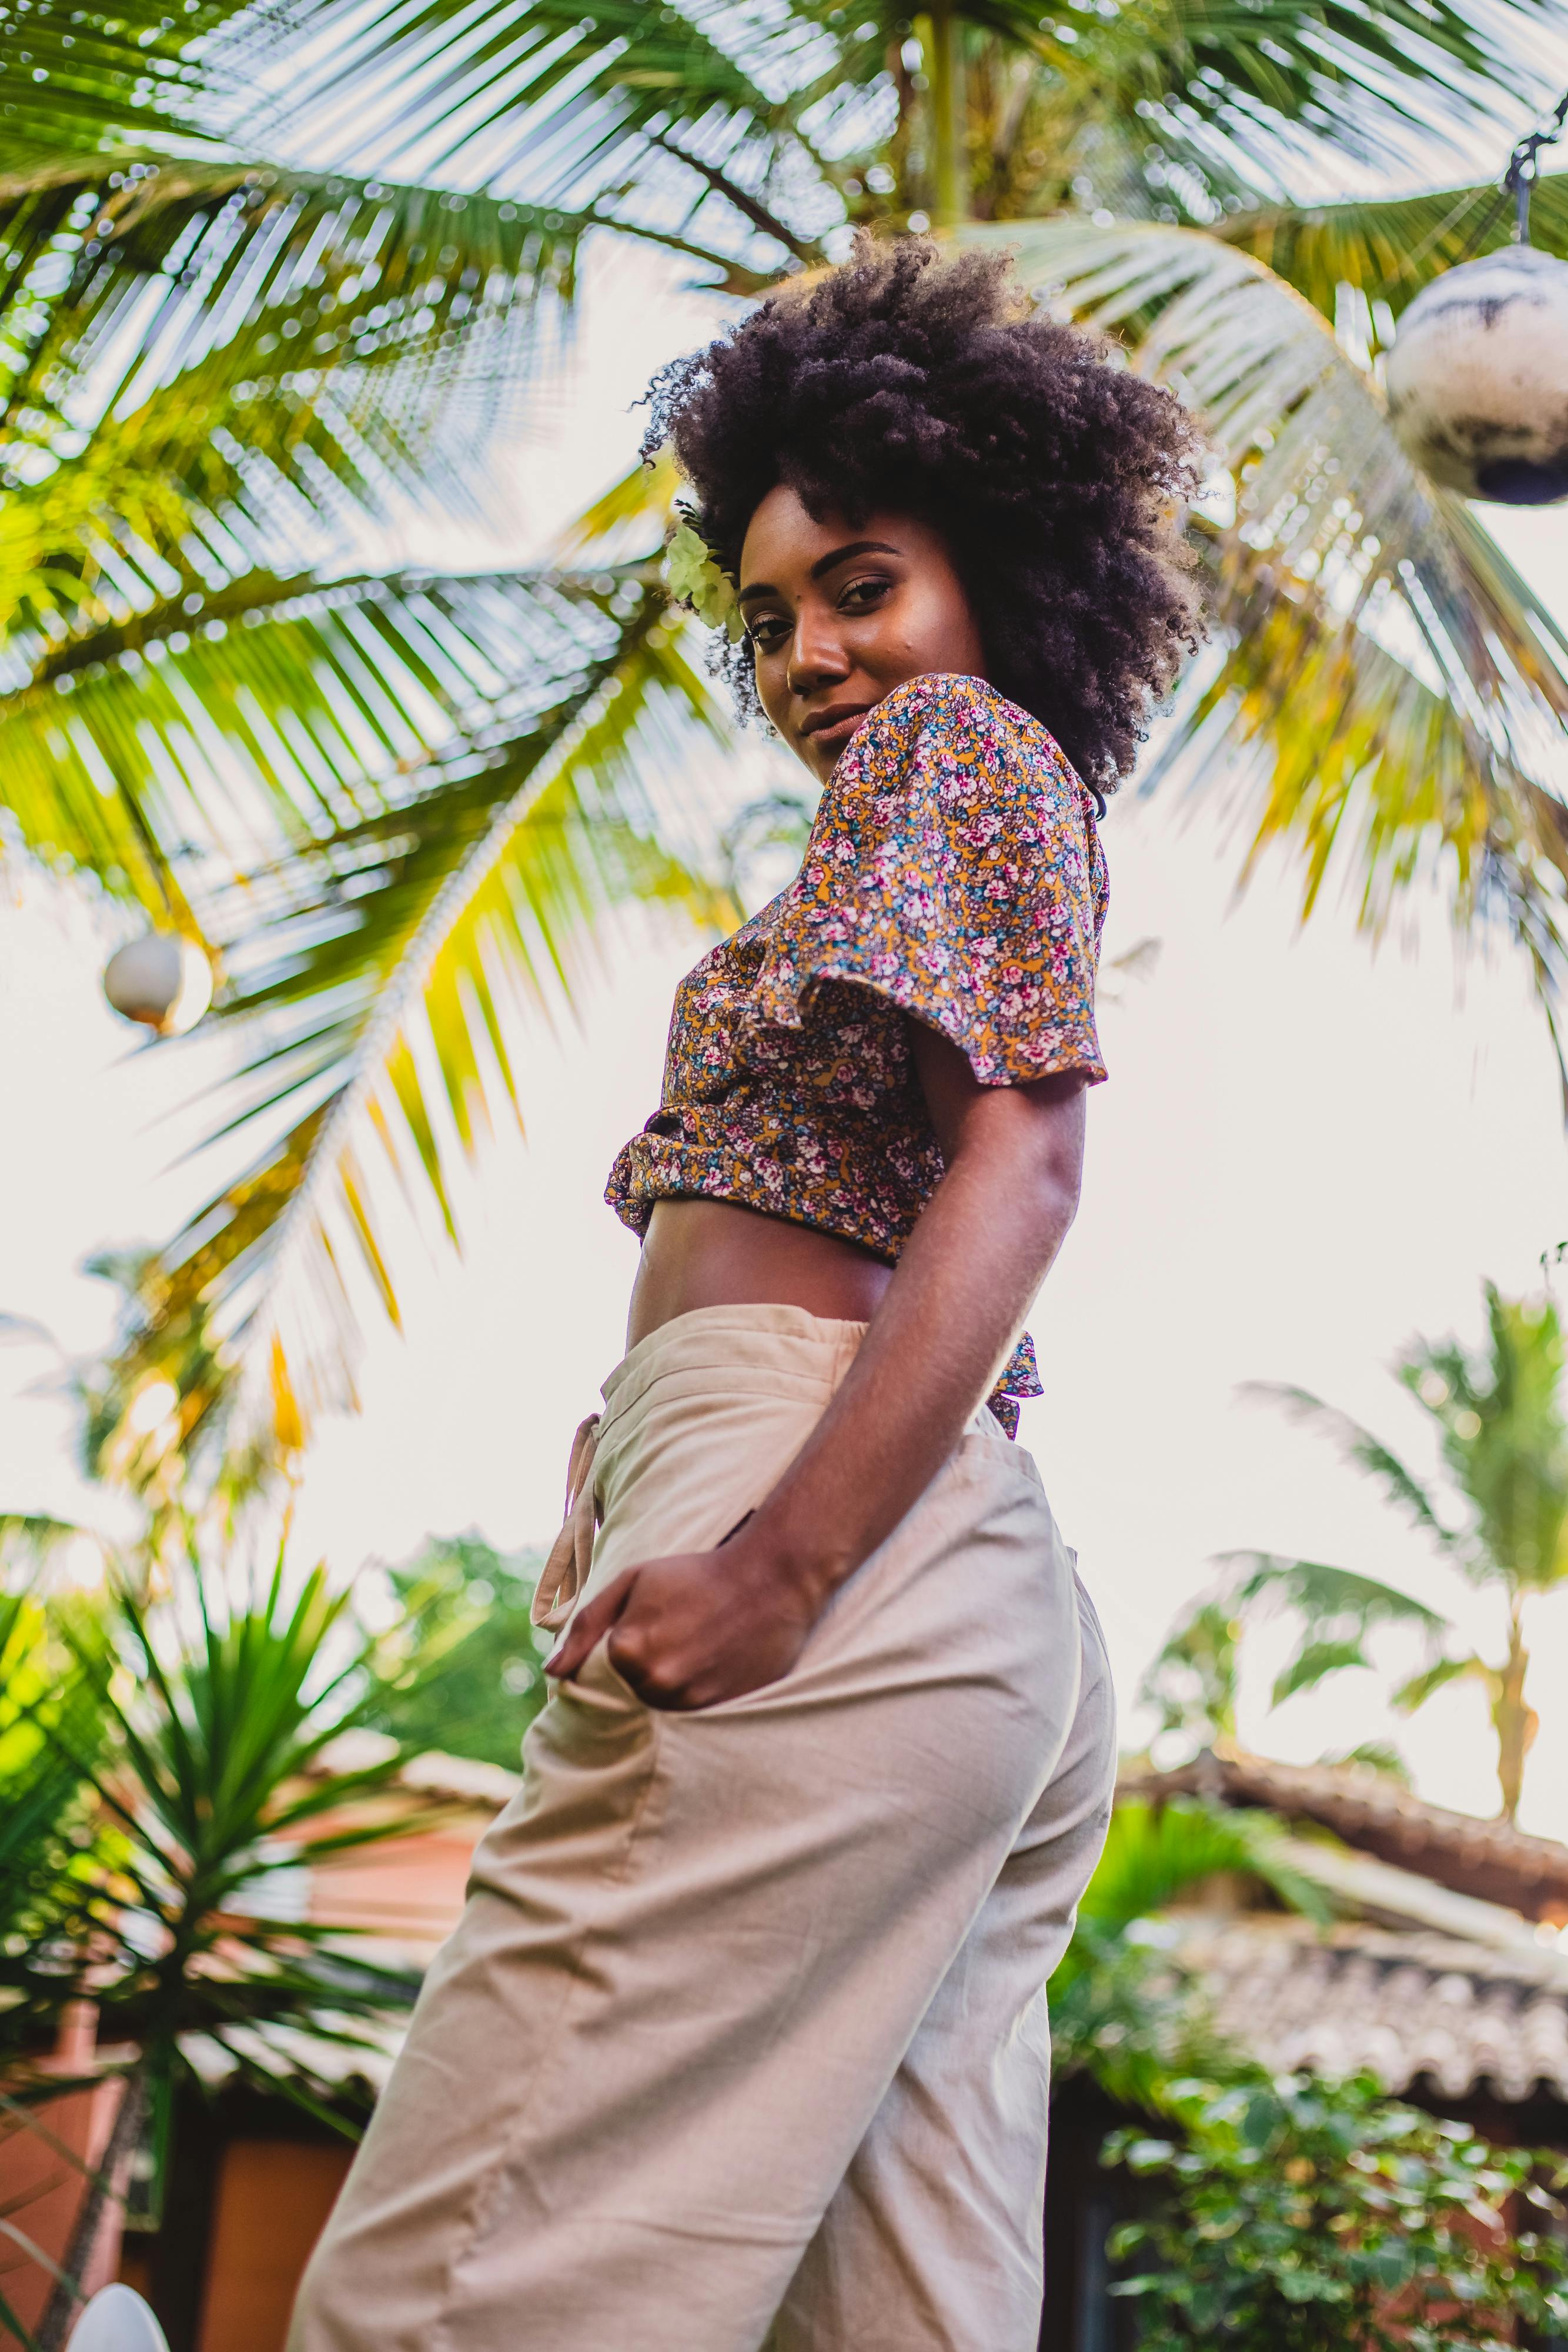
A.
pixel 954 876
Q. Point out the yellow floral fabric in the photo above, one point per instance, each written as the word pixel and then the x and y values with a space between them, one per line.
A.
pixel 954 876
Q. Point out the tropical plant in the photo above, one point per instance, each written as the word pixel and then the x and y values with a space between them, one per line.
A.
pixel 45 1692
pixel 1123 2009
pixel 1502 1525
pixel 271 280
pixel 1193 1679
pixel 1302 2216
pixel 485 1682
pixel 46 1846
pixel 205 1777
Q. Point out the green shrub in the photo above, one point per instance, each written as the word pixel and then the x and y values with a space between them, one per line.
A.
pixel 1295 2215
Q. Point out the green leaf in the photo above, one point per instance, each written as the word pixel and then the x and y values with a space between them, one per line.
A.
pixel 1361 1446
pixel 1312 1665
pixel 1324 1594
pixel 1420 1687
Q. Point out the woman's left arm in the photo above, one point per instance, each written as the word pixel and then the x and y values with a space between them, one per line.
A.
pixel 699 1627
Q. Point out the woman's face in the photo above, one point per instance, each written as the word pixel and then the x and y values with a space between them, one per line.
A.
pixel 840 614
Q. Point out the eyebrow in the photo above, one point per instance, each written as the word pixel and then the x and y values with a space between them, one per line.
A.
pixel 826 563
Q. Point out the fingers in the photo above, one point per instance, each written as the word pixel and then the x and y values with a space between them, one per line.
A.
pixel 659 1681
pixel 590 1625
pixel 625 1655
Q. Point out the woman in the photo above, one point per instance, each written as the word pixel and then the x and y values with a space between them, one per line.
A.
pixel 742 2038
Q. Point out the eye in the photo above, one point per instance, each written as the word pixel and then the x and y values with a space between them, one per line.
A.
pixel 863 595
pixel 767 631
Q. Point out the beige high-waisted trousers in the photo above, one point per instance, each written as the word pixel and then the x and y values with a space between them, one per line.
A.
pixel 742 2039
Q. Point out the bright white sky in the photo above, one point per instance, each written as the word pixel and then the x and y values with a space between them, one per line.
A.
pixel 1306 1154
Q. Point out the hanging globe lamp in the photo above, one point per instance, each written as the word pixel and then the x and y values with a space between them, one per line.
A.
pixel 1478 374
pixel 160 979
pixel 117 2320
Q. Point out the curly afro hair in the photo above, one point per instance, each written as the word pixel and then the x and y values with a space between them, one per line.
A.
pixel 911 382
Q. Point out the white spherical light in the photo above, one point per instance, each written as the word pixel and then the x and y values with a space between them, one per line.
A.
pixel 161 979
pixel 1477 378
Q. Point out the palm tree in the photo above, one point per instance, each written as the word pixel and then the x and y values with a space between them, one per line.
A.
pixel 269 278
pixel 1502 1525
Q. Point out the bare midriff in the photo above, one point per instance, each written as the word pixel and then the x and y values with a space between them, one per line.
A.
pixel 717 1253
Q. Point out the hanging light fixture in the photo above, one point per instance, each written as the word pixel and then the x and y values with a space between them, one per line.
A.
pixel 160 979
pixel 1478 376
pixel 117 2320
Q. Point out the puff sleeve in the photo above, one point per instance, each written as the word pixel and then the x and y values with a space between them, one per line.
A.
pixel 954 866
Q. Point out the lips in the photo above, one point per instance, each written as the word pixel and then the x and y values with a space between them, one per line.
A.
pixel 834 728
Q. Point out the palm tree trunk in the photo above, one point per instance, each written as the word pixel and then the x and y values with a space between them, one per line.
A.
pixel 1515 1724
pixel 67 2294
pixel 945 70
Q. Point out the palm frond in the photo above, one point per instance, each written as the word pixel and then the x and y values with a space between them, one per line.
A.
pixel 78 80
pixel 722 123
pixel 1312 1665
pixel 271 716
pixel 1361 1446
pixel 1180 109
pixel 1387 248
pixel 261 364
pixel 208 1724
pixel 629 518
pixel 1324 1594
pixel 157 262
pixel 1193 1679
pixel 1392 690
pixel 1345 73
pixel 1437 1676
pixel 45 1692
pixel 667 107
pixel 379 966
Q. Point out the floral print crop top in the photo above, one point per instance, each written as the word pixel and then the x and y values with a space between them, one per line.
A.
pixel 954 874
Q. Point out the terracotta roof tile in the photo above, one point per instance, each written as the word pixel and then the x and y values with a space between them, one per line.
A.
pixel 1406 2006
pixel 1371 1813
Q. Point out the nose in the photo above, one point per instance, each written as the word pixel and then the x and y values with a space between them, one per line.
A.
pixel 817 656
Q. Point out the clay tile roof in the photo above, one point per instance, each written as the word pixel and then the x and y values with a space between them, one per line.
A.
pixel 1408 2007
pixel 1372 1814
